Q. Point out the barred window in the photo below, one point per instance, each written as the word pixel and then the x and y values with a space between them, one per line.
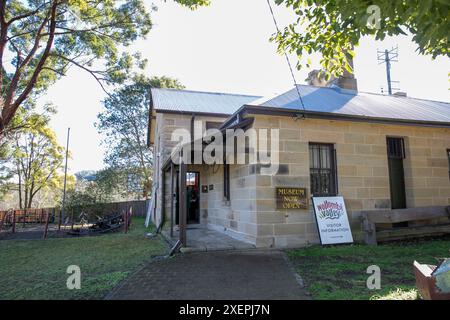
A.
pixel 448 156
pixel 395 148
pixel 322 159
pixel 226 182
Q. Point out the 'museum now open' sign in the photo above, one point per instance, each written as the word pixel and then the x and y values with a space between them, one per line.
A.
pixel 291 198
pixel 332 220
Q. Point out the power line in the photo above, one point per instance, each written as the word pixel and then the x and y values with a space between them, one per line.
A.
pixel 287 58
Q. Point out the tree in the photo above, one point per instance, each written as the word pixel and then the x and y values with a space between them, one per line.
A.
pixel 35 163
pixel 25 119
pixel 334 27
pixel 124 124
pixel 41 39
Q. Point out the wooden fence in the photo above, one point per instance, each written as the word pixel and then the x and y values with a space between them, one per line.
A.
pixel 12 219
pixel 139 209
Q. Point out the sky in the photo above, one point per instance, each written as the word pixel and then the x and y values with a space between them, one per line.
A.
pixel 226 48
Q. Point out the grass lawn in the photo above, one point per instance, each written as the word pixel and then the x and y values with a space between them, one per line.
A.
pixel 340 272
pixel 36 269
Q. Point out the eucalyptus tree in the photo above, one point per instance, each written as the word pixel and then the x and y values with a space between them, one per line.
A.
pixel 41 39
pixel 124 123
pixel 35 163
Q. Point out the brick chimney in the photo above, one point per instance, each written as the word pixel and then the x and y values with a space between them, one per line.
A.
pixel 348 81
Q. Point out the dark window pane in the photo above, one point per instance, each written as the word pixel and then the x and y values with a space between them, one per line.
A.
pixel 448 155
pixel 396 148
pixel 322 169
pixel 226 182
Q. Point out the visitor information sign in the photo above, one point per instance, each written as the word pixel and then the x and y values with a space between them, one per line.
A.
pixel 332 220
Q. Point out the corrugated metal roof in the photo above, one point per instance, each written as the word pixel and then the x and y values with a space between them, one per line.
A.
pixel 197 101
pixel 335 100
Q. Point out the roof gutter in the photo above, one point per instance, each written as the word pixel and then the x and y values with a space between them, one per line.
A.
pixel 206 114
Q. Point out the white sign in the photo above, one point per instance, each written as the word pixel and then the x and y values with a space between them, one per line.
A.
pixel 332 220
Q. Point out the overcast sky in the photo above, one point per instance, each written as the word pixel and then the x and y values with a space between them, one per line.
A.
pixel 226 48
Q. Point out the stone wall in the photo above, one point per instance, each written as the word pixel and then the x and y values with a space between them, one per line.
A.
pixel 235 217
pixel 362 168
pixel 166 124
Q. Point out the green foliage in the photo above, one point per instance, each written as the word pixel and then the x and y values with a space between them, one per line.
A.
pixel 163 82
pixel 90 196
pixel 194 4
pixel 124 124
pixel 36 160
pixel 46 38
pixel 93 192
pixel 333 28
pixel 31 158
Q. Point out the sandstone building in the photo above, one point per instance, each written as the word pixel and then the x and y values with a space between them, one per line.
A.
pixel 377 151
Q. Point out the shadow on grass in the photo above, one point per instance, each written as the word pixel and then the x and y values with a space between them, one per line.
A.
pixel 36 269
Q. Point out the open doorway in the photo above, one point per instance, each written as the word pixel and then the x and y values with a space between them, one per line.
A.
pixel 192 198
pixel 396 155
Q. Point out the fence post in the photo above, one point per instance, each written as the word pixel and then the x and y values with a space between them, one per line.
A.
pixel 46 223
pixel 126 220
pixel 59 218
pixel 14 222
pixel 24 217
pixel 130 213
pixel 2 222
pixel 71 227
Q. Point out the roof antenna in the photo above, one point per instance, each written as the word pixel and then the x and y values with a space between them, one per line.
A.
pixel 388 56
pixel 301 115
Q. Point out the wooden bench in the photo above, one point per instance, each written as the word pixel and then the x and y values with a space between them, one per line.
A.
pixel 370 219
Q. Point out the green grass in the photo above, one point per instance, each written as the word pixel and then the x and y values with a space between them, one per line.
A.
pixel 340 272
pixel 36 269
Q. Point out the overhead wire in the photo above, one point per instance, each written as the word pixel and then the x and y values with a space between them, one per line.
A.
pixel 287 59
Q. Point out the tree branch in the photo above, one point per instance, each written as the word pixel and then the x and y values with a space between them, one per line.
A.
pixel 3 40
pixel 26 14
pixel 40 65
pixel 92 73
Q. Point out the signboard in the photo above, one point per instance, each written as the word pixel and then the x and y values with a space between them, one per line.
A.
pixel 291 198
pixel 332 220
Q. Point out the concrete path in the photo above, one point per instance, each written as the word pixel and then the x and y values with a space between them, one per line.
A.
pixel 216 275
pixel 200 239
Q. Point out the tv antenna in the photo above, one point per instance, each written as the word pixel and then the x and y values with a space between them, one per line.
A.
pixel 387 57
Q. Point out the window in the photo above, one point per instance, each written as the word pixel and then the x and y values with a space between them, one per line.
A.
pixel 226 182
pixel 448 156
pixel 395 148
pixel 322 162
